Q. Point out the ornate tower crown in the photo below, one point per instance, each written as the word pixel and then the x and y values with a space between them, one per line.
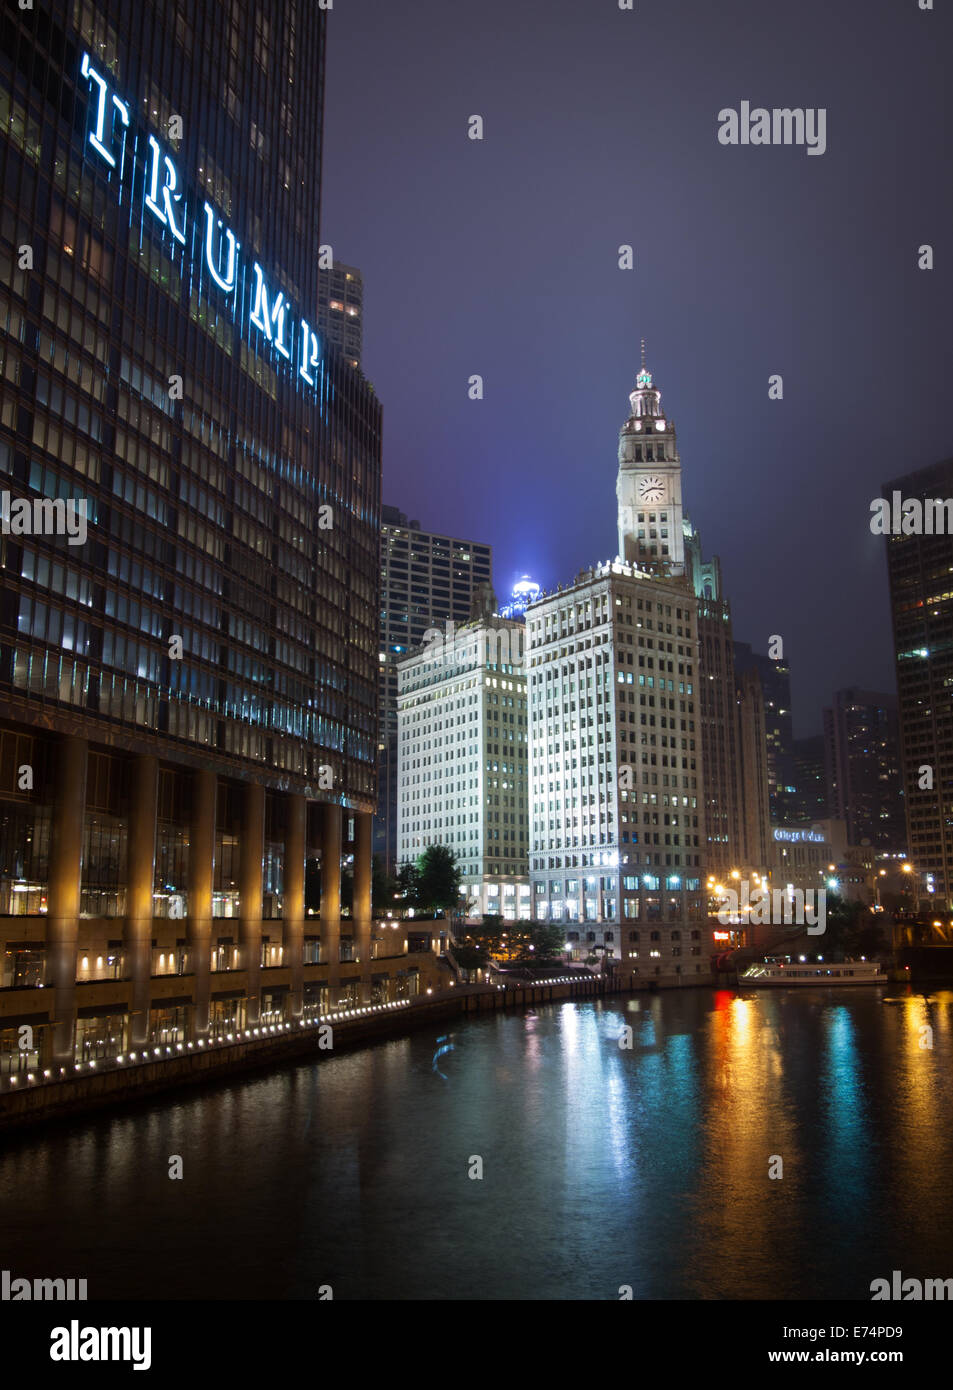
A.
pixel 645 399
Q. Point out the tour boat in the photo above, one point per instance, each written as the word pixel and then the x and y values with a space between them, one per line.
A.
pixel 788 972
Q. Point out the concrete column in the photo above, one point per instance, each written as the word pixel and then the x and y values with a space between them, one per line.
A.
pixel 46 1039
pixel 63 896
pixel 292 899
pixel 201 879
pixel 331 896
pixel 140 882
pixel 363 921
pixel 249 884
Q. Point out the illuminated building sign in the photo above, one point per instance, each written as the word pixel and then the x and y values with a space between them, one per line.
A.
pixel 796 836
pixel 213 245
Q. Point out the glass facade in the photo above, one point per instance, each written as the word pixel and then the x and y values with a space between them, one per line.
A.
pixel 229 504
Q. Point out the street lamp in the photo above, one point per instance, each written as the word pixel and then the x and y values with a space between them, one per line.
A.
pixel 882 873
pixel 909 868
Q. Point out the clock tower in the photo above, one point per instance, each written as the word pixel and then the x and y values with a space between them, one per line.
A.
pixel 649 484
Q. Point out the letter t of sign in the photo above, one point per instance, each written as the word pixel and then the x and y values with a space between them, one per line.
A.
pixel 98 135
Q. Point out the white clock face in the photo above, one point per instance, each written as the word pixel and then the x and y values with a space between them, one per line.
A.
pixel 651 490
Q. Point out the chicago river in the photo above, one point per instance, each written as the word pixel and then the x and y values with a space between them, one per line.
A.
pixel 527 1156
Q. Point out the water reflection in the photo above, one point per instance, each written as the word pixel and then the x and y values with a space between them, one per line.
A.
pixel 602 1165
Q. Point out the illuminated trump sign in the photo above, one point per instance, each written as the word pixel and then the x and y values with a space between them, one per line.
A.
pixel 213 244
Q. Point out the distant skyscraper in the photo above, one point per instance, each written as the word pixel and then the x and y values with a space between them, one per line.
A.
pixel 865 786
pixel 753 771
pixel 809 802
pixel 775 679
pixel 427 580
pixel 920 570
pixel 341 310
pixel 462 771
pixel 718 715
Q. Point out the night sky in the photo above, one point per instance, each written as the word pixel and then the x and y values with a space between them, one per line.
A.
pixel 500 258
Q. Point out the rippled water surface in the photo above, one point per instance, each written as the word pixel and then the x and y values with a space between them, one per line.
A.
pixel 602 1165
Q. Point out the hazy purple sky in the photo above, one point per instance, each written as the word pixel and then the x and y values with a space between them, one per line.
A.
pixel 500 258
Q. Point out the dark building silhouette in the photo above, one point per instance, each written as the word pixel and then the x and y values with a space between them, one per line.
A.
pixel 809 800
pixel 862 768
pixel 753 770
pixel 775 677
pixel 920 570
pixel 718 713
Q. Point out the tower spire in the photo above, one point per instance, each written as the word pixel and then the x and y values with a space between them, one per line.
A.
pixel 643 382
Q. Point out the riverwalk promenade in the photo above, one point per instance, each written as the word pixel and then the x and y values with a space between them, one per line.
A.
pixel 28 1098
